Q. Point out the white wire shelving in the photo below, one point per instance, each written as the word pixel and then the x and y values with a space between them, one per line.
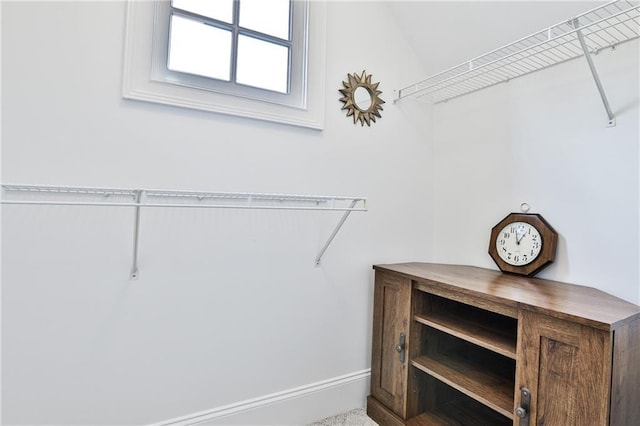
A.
pixel 586 34
pixel 44 195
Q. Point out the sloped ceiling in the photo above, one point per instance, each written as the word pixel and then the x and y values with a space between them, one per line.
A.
pixel 446 33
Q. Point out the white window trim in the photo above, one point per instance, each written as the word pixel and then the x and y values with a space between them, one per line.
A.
pixel 138 84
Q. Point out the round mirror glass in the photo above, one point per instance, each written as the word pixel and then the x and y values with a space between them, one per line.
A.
pixel 362 98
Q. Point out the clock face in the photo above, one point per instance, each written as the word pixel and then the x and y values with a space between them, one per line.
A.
pixel 518 243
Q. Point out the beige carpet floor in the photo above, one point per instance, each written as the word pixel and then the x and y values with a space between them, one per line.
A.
pixel 356 417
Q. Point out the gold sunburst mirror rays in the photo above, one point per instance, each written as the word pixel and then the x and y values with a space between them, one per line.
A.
pixel 361 98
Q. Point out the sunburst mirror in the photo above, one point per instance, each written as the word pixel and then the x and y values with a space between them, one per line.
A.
pixel 361 98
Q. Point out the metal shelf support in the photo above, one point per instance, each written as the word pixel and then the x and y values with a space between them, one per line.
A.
pixel 594 73
pixel 335 231
pixel 136 234
pixel 139 198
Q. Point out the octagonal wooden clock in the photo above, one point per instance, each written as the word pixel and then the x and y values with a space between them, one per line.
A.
pixel 523 244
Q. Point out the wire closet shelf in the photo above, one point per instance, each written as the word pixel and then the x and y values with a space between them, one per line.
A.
pixel 138 198
pixel 69 195
pixel 603 27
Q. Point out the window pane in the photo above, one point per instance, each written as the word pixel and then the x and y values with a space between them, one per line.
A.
pixel 266 16
pixel 221 10
pixel 200 49
pixel 262 64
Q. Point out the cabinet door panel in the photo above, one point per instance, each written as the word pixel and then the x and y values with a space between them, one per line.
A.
pixel 567 368
pixel 392 303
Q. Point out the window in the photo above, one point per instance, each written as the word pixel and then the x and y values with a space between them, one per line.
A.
pixel 250 48
pixel 255 58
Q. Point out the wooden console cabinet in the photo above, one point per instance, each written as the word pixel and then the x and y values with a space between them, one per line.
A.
pixel 460 345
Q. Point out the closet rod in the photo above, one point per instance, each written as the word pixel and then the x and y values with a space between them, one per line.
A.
pixel 211 206
pixel 139 197
pixel 251 200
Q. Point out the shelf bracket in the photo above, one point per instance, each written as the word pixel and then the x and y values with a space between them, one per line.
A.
pixel 587 55
pixel 136 234
pixel 335 231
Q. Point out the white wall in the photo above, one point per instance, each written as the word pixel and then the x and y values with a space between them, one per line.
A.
pixel 542 139
pixel 229 305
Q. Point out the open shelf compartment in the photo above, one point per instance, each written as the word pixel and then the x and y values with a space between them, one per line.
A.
pixel 466 348
pixel 481 334
pixel 452 408
pixel 490 330
pixel 485 387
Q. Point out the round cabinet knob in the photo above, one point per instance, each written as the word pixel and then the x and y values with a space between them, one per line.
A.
pixel 521 412
pixel 399 348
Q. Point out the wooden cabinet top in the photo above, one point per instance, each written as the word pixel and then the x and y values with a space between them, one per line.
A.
pixel 580 304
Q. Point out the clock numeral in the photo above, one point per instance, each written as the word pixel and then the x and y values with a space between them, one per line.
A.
pixel 506 235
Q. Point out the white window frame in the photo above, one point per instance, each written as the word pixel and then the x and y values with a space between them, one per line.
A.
pixel 141 81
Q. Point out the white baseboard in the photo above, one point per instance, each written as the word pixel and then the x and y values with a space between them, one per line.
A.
pixel 297 406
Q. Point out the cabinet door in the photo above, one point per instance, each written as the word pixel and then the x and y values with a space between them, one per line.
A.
pixel 567 368
pixel 391 314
